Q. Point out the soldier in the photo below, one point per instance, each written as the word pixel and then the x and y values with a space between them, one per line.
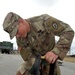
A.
pixel 36 38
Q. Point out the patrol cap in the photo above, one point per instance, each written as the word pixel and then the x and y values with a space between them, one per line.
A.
pixel 10 24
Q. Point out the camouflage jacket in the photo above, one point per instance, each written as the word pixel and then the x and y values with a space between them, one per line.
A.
pixel 41 39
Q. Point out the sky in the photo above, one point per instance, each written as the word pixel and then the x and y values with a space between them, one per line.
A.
pixel 63 10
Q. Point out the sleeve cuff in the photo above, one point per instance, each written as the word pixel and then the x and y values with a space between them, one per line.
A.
pixel 56 51
pixel 22 68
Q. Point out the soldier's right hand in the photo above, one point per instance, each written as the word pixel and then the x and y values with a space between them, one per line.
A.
pixel 51 57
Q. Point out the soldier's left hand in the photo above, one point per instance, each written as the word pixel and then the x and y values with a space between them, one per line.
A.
pixel 51 57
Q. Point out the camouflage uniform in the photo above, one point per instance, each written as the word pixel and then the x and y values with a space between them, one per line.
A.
pixel 41 39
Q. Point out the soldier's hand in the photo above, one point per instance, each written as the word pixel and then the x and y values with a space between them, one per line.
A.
pixel 51 57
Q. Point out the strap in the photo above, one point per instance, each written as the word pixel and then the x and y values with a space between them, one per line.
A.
pixel 52 68
pixel 35 68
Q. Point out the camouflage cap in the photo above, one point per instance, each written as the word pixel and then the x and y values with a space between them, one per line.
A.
pixel 10 23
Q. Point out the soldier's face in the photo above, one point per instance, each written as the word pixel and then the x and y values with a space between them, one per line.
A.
pixel 22 30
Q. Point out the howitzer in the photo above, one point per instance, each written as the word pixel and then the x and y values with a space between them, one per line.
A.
pixel 35 69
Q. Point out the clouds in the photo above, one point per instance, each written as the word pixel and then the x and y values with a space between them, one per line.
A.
pixel 45 3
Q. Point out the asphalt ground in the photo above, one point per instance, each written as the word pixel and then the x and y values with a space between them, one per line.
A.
pixel 9 64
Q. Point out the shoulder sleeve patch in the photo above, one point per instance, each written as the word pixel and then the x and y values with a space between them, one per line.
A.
pixel 54 25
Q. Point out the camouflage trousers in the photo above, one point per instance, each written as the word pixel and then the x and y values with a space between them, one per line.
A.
pixel 27 65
